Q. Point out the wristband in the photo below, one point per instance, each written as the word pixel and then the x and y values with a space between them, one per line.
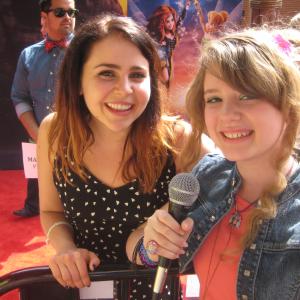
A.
pixel 145 259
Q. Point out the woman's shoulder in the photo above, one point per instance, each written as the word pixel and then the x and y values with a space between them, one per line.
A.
pixel 176 121
pixel 290 196
pixel 47 121
pixel 178 127
pixel 44 128
pixel 182 129
pixel 285 227
pixel 213 163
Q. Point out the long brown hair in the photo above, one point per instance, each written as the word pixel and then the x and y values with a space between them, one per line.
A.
pixel 149 137
pixel 254 63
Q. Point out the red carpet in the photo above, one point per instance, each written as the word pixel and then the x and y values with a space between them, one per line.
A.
pixel 22 244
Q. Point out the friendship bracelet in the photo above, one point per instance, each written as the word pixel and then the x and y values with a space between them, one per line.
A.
pixel 145 259
pixel 136 250
pixel 55 225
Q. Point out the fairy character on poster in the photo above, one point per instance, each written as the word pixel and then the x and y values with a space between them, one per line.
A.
pixel 163 25
pixel 215 20
pixel 185 23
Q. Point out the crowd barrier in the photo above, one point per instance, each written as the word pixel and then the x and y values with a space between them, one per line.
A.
pixel 37 283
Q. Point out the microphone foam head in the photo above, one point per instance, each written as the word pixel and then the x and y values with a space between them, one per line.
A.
pixel 184 189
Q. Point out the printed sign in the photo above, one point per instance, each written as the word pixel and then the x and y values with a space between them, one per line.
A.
pixel 98 290
pixel 192 286
pixel 29 160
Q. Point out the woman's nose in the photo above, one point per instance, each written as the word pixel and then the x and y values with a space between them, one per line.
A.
pixel 230 111
pixel 125 85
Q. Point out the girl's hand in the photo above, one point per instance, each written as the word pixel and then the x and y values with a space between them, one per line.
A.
pixel 169 236
pixel 70 268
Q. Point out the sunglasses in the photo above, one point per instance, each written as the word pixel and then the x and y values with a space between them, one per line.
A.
pixel 60 12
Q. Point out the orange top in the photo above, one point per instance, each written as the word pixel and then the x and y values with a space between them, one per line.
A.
pixel 217 261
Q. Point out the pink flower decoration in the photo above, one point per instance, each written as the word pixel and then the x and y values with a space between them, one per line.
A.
pixel 284 45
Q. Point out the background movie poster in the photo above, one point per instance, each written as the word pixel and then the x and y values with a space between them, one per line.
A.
pixel 179 26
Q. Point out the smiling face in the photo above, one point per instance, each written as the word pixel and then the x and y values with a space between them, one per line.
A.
pixel 115 84
pixel 59 27
pixel 242 126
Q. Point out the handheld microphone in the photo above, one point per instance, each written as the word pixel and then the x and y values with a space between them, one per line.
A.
pixel 184 189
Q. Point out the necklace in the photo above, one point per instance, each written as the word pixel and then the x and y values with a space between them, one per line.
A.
pixel 211 273
pixel 236 218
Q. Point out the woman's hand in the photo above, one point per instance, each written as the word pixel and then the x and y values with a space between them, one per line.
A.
pixel 70 268
pixel 169 236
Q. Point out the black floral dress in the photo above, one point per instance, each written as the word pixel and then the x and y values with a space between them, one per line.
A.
pixel 103 217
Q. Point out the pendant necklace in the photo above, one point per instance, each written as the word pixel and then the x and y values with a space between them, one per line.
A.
pixel 236 219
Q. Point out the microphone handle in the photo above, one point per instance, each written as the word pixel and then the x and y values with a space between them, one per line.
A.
pixel 179 213
pixel 160 279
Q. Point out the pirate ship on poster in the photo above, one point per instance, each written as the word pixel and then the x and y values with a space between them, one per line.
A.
pixel 179 26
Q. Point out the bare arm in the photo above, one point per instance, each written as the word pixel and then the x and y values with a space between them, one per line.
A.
pixel 132 241
pixel 69 264
pixel 200 14
pixel 134 237
pixel 51 209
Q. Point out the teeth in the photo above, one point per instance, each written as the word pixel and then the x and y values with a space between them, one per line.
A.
pixel 236 135
pixel 121 107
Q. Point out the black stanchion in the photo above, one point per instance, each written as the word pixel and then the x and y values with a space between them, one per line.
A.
pixel 38 283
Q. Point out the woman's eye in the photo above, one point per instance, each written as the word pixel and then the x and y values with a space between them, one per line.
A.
pixel 106 74
pixel 247 97
pixel 137 75
pixel 213 100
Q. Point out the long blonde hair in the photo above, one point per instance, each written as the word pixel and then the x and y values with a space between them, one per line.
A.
pixel 254 62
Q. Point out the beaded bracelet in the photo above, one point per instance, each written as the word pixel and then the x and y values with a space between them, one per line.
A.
pixel 145 259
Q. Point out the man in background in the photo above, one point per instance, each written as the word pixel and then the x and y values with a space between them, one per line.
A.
pixel 33 87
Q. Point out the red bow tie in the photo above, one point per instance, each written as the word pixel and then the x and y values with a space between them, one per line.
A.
pixel 49 45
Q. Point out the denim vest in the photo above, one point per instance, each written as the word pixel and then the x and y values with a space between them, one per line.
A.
pixel 270 268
